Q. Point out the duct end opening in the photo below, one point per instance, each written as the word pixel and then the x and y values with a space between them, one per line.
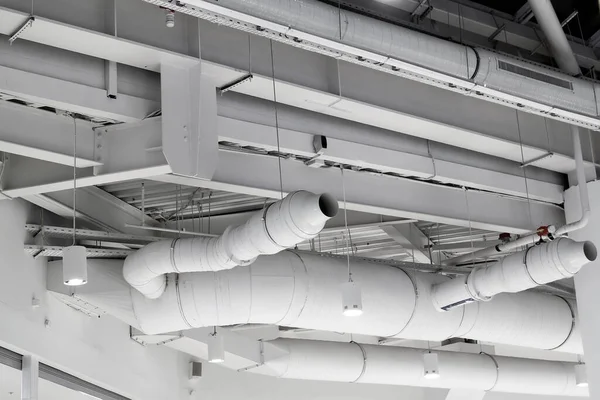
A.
pixel 328 205
pixel 589 250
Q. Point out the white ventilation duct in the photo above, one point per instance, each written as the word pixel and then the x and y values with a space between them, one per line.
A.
pixel 538 265
pixel 322 28
pixel 298 217
pixel 302 290
pixel 385 365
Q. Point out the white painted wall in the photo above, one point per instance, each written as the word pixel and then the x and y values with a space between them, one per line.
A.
pixel 587 282
pixel 97 350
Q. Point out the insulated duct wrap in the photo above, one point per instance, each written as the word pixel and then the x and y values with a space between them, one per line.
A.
pixel 303 290
pixel 352 362
pixel 298 217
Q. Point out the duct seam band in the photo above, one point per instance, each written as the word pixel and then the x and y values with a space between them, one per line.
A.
pixel 294 292
pixel 477 62
pixel 472 290
pixel 415 287
pixel 462 320
pixel 364 368
pixel 179 305
pixel 264 221
pixel 173 263
pixel 572 324
pixel 527 267
pixel 497 370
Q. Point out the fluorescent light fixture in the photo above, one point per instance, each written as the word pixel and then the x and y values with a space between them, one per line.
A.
pixel 74 266
pixel 431 366
pixel 216 348
pixel 351 299
pixel 581 375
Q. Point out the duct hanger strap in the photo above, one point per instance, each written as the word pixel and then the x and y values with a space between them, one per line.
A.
pixel 364 368
pixel 497 370
pixel 173 262
pixel 266 227
pixel 180 303
pixel 414 310
pixel 573 323
pixel 300 294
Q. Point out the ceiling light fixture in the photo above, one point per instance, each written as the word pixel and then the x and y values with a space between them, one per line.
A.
pixel 351 293
pixel 351 299
pixel 216 347
pixel 431 365
pixel 74 257
pixel 581 375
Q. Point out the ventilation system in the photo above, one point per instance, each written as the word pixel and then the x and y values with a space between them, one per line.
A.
pixel 286 223
pixel 301 289
pixel 384 365
pixel 325 29
pixel 538 265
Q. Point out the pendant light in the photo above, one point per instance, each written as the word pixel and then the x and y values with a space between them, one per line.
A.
pixel 74 257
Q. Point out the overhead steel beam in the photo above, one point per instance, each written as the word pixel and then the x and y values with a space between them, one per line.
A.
pixel 100 45
pixel 368 96
pixel 125 152
pixel 183 141
pixel 373 149
pixel 403 198
pixel 95 207
pixel 464 246
pixel 412 239
pixel 130 151
pixel 75 97
pixel 45 136
pixel 524 14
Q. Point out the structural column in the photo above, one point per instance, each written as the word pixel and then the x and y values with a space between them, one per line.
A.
pixel 587 282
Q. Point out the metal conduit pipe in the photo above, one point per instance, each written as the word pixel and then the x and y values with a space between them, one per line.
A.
pixel 582 184
pixel 538 265
pixel 559 45
pixel 384 365
pixel 298 217
pixel 493 250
